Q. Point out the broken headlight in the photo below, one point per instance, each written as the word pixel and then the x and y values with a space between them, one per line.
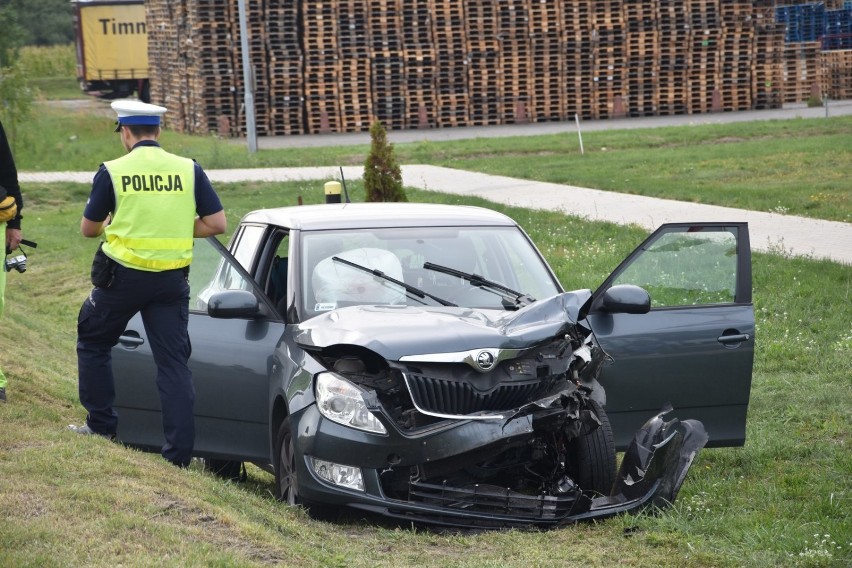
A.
pixel 342 402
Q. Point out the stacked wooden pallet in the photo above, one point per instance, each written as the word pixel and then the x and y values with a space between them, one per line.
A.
pixel 836 77
pixel 801 70
pixel 642 76
pixel 609 59
pixel 675 35
pixel 192 64
pixel 339 65
pixel 322 66
pixel 419 65
pixel 736 69
pixel 823 71
pixel 514 60
pixel 384 22
pixel 355 78
pixel 163 40
pixel 451 61
pixel 768 79
pixel 579 59
pixel 546 81
pixel 485 72
pixel 286 69
pixel 256 36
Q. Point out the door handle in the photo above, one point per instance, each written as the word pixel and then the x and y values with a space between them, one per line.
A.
pixel 733 338
pixel 131 339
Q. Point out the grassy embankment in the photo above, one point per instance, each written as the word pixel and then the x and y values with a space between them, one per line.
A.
pixel 784 499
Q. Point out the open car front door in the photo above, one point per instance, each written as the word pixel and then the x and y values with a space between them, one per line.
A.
pixel 232 360
pixel 695 347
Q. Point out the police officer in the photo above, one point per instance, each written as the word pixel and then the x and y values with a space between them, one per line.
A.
pixel 146 206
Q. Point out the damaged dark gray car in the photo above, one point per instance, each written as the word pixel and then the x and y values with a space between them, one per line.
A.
pixel 423 362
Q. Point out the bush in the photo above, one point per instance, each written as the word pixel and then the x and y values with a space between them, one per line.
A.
pixel 814 101
pixel 382 175
pixel 53 61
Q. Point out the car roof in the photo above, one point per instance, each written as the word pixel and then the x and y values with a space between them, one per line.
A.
pixel 377 215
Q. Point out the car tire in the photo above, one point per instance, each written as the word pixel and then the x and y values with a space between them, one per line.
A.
pixel 593 456
pixel 286 479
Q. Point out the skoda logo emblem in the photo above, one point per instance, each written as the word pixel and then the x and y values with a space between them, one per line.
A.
pixel 485 360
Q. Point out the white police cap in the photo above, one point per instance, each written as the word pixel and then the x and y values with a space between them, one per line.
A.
pixel 136 112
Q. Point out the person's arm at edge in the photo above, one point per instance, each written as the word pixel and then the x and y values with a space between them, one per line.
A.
pixel 99 204
pixel 91 228
pixel 210 225
pixel 211 218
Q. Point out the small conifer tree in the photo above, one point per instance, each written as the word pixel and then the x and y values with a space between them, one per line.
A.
pixel 382 176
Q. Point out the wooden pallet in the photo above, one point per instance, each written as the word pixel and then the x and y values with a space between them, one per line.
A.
pixel 444 63
pixel 800 71
pixel 835 75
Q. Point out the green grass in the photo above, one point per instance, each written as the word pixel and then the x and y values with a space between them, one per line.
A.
pixel 71 501
pixel 56 88
pixel 796 167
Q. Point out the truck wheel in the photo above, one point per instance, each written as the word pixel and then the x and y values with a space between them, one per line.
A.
pixel 593 456
pixel 286 480
pixel 145 91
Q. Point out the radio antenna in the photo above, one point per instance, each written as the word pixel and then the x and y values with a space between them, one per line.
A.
pixel 343 181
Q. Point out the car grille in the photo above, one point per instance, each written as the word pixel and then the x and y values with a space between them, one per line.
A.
pixel 491 500
pixel 459 398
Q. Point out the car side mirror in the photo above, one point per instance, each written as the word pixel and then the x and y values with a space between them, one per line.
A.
pixel 230 304
pixel 626 299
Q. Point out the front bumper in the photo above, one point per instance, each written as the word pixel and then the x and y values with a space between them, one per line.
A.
pixel 651 473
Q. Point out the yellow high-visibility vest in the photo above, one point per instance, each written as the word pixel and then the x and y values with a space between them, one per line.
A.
pixel 154 218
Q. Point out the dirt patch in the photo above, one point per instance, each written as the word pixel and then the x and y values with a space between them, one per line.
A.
pixel 727 139
pixel 88 105
pixel 205 527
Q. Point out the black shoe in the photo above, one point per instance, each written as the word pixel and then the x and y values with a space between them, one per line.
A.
pixel 84 430
pixel 3 394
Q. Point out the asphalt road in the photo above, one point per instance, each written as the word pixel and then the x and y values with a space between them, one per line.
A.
pixel 790 111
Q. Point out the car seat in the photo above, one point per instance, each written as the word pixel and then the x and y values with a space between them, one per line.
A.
pixel 278 283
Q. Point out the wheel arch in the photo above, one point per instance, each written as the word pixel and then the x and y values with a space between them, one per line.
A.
pixel 280 411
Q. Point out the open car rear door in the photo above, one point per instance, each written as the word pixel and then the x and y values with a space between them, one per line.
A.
pixel 695 347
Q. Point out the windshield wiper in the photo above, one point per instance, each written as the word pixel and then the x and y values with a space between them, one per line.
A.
pixel 511 298
pixel 407 287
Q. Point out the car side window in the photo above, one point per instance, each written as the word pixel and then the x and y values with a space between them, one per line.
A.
pixel 246 244
pixel 686 268
pixel 211 272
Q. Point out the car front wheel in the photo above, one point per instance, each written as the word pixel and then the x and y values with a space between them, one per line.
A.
pixel 593 456
pixel 286 480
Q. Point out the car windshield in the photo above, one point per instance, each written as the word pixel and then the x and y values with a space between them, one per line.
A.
pixel 501 255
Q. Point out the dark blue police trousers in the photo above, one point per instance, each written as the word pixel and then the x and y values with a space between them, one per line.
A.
pixel 163 300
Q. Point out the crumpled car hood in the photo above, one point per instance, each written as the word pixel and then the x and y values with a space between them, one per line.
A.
pixel 396 331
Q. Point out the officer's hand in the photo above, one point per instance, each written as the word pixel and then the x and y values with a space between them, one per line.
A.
pixel 13 239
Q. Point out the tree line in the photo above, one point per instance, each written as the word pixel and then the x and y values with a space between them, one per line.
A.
pixel 26 23
pixel 34 22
